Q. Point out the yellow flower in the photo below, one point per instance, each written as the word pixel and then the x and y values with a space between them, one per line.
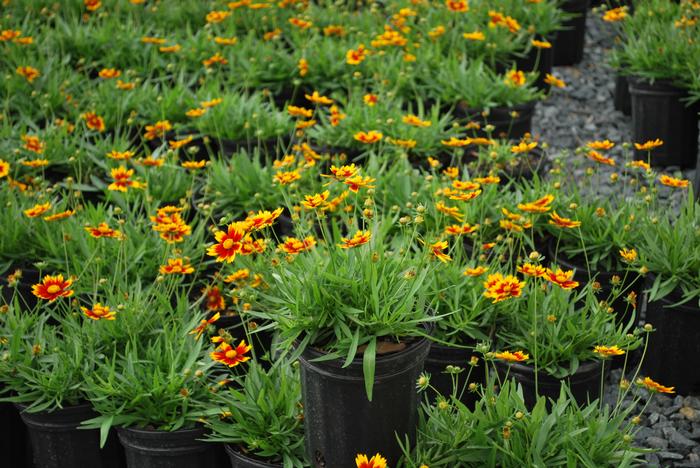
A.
pixel 476 271
pixel 474 36
pixel 673 181
pixel 628 255
pixel 515 78
pixel 654 386
pixel 541 44
pixel 437 249
pixel 377 461
pixel 515 356
pixel 370 137
pixel 554 81
pixel 29 73
pixel 317 200
pixel 608 351
pixel 648 145
pixel 359 238
pixel 415 121
pixel 523 147
pixel 615 14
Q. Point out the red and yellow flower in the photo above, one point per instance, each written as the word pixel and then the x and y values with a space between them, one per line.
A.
pixel 370 137
pixel 226 354
pixel 99 312
pixel 229 242
pixel 176 266
pixel 203 324
pixel 93 121
pixel 499 287
pixel 608 351
pixel 53 287
pixel 262 219
pixel 122 180
pixel 515 356
pixel 561 278
pixel 438 248
pixel 293 246
pixel 29 73
pixel 377 461
pixel 317 200
pixel 103 230
pixel 457 6
pixel 541 205
pixel 673 181
pixel 562 222
pixel 648 145
pixel 531 269
pixel 359 238
pixel 654 386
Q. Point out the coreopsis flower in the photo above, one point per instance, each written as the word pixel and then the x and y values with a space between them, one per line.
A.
pixel 300 23
pixel 303 67
pixel 523 147
pixel 109 73
pixel 203 324
pixel 356 56
pixel 318 99
pixel 334 30
pixel 509 225
pixel 370 137
pixel 343 172
pixel 452 172
pixel 214 299
pixel 673 181
pixel 99 312
pixel 296 111
pixel 9 34
pixel 515 356
pixel 370 99
pixel 562 222
pixel 561 278
pixel 29 73
pixel 120 155
pixel 177 144
pixel 601 145
pixel 497 19
pixel 451 211
pixel 541 44
pixel 608 351
pixel 593 155
pixel 176 266
pixel 614 15
pixel 272 35
pixel 226 354
pixel 554 81
pixel 33 143
pixel 122 180
pixel 640 165
pixel 465 196
pixel 377 461
pixel 170 49
pixel 125 85
pixel 287 177
pixel 499 287
pixel 153 40
pixel 409 143
pixel 475 271
pixel 474 36
pixel 454 142
pixel 229 242
pixel 515 78
pixel 59 216
pixel 4 168
pixel 317 200
pixel 262 219
pixel 304 124
pixel 357 182
pixel 628 255
pixel 359 238
pixel 487 180
pixel 237 276
pixel 52 287
pixel 103 230
pixel 196 112
pixel 217 16
pixel 37 210
pixel 648 145
pixel 459 230
pixel 293 246
pixel 458 6
pixel 211 103
pixel 541 205
pixel 654 386
pixel 93 121
pixel 157 130
pixel 436 32
pixel 193 165
pixel 150 161
pixel 92 5
pixel 217 58
pixel 415 121
pixel 437 249
pixel 530 269
pixel 336 116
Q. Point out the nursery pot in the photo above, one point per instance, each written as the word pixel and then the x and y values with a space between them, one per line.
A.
pixel 568 43
pixel 584 383
pixel 339 420
pixel 58 443
pixel 673 354
pixel 14 444
pixel 540 61
pixel 161 449
pixel 659 112
pixel 239 460
pixel 506 126
pixel 622 99
pixel 441 356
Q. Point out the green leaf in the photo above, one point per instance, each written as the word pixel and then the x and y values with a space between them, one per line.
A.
pixel 368 365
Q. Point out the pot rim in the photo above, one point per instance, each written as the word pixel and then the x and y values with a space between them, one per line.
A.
pixel 233 452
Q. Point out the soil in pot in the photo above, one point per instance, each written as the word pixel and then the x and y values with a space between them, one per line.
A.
pixel 569 42
pixel 58 443
pixel 441 356
pixel 673 354
pixel 658 111
pixel 240 460
pixel 510 122
pixel 339 420
pixel 584 383
pixel 160 449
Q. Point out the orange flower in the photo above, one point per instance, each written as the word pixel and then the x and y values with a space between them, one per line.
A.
pixel 217 16
pixel 608 351
pixel 649 145
pixel 457 6
pixel 296 111
pixel 262 219
pixel 176 266
pixel 457 230
pixel 150 161
pixel 103 230
pixel 488 180
pixel 466 196
pixel 415 121
pixel 215 301
pixel 377 461
pixel 356 56
pixel 214 59
pixel 33 144
pixel 238 275
pixel 177 144
pixel 557 220
pixel 541 44
pixel 230 356
pixel 476 271
pixel 359 238
pixel 554 81
pixel 370 137
pixel 228 41
pixel 673 181
pixel 540 205
pixel 639 165
pixel 170 49
pixel 153 40
pixel 474 36
pixel 451 211
pixel 293 246
pixel 370 99
pixel 628 255
pixel 437 249
pixel 516 356
pixel 29 73
pixel 654 386
pixel 300 23
pixel 98 312
pixel 53 287
pixel 193 165
pixel 4 168
pixel 196 112
pixel 603 145
pixel 336 116
pixel 515 78
pixel 500 20
pixel 287 177
pixel 523 147
pixel 229 243
pixel 303 66
pixel 303 124
pixel 170 225
pixel 109 73
pixel 120 155
pixel 593 155
pixel 59 216
pixel 203 324
pixel 318 99
pixel 317 200
pixel 271 35
pixel 94 121
pixel 529 269
pixel 125 85
pixel 9 34
pixel 343 172
pixel 122 180
pixel 561 278
pixel 158 129
pixel 500 288
pixel 211 103
pixel 334 30
pixel 614 15
pixel 92 5
pixel 37 210
pixel 357 182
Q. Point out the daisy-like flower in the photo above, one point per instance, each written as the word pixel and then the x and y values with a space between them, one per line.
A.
pixel 92 5
pixel 211 103
pixel 474 36
pixel 229 242
pixel 300 23
pixel 654 386
pixel 457 6
pixel 153 40
pixel 53 287
pixel 177 144
pixel 356 56
pixel 262 219
pixel 237 276
pixel 415 121
pixel 343 172
pixel 59 216
pixel 217 16
pixel 515 78
pixel 317 200
pixel 459 230
pixel 359 238
pixel 226 354
pixel 197 112
pixel 103 230
pixel 541 205
pixel 120 155
pixel 29 73
pixel 487 180
pixel 370 99
pixel 33 144
pixel 357 182
pixel 648 145
pixel 673 181
pixel 37 210
pixel 499 287
pixel 640 165
pixel 437 249
pixel 203 324
pixel 608 351
pixel 293 246
pixel 475 271
pixel 122 180
pixel 125 85
pixel 541 44
pixel 593 155
pixel 318 99
pixel 515 356
pixel 170 49
pixel 523 147
pixel 193 165
pixel 370 137
pixel 336 116
pixel 334 30
pixel 287 177
pixel 93 121
pixel 614 15
pixel 99 312
pixel 451 211
pixel 601 145
pixel 554 81
pixel 227 41
pixel 561 278
pixel 303 67
pixel 562 222
pixel 4 168
pixel 176 266
pixel 530 269
pixel 217 58
pixel 157 130
pixel 465 196
pixel 296 111
pixel 628 255
pixel 109 73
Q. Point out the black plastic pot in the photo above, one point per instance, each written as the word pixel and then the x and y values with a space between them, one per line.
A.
pixel 14 443
pixel 441 356
pixel 569 42
pixel 58 443
pixel 160 449
pixel 506 126
pixel 622 98
pixel 239 460
pixel 540 61
pixel 659 112
pixel 673 355
pixel 584 384
pixel 339 420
